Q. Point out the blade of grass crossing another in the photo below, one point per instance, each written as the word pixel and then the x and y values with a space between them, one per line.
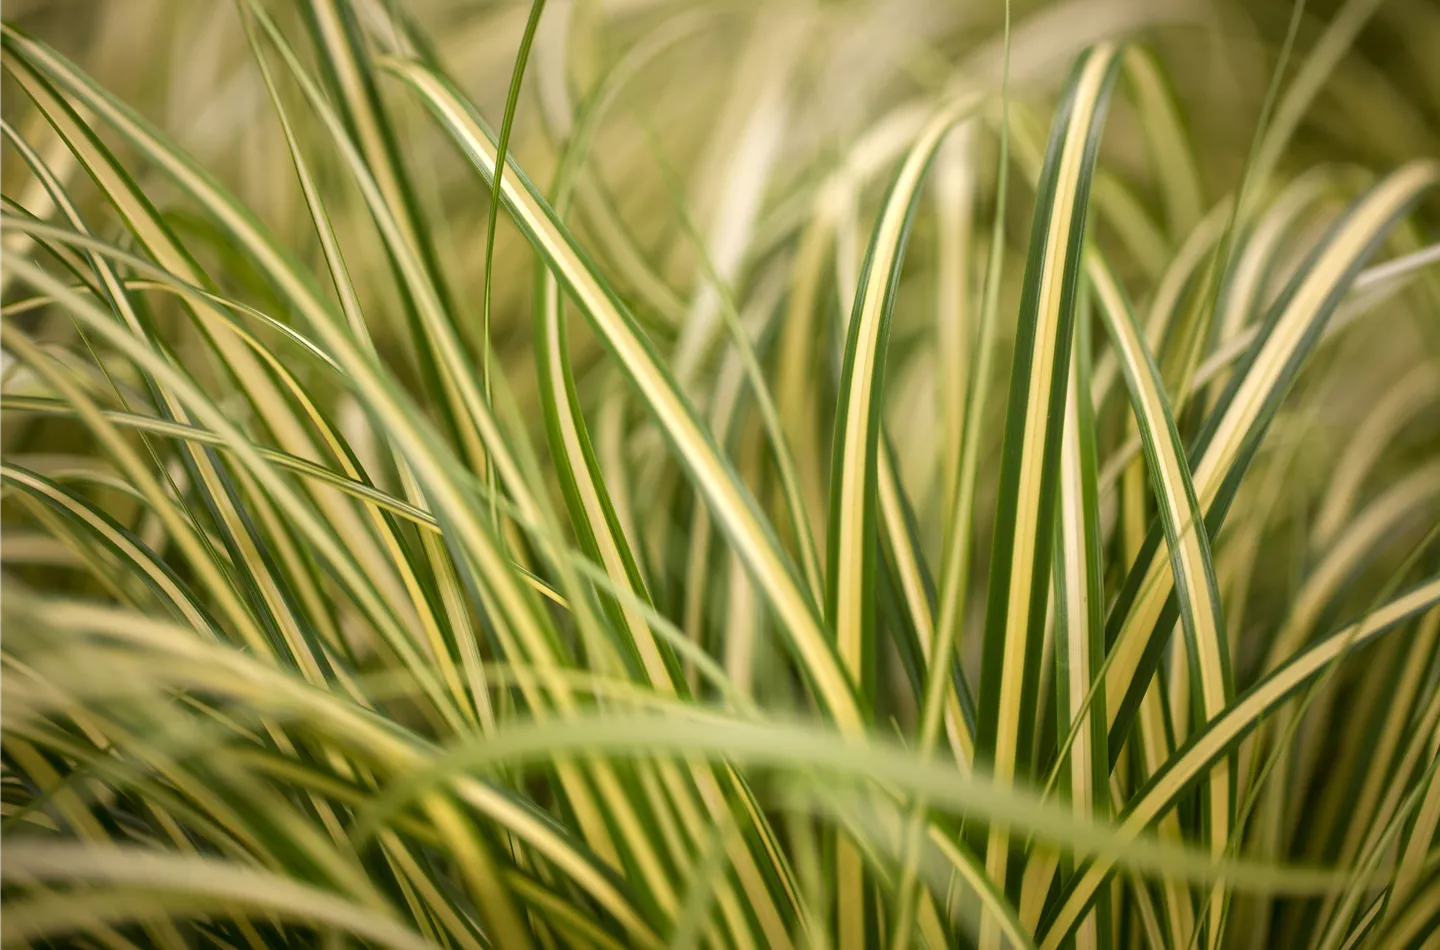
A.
pixel 598 528
pixel 271 614
pixel 735 509
pixel 478 422
pixel 348 69
pixel 1191 564
pixel 449 489
pixel 1079 617
pixel 512 98
pixel 854 465
pixel 1222 735
pixel 436 565
pixel 1019 584
pixel 1242 415
pixel 194 401
pixel 478 427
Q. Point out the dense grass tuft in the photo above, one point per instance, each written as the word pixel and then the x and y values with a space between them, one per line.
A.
pixel 800 502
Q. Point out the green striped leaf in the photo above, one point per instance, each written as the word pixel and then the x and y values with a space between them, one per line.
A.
pixel 734 508
pixel 1020 558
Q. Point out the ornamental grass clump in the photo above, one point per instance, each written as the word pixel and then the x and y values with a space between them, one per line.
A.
pixel 666 475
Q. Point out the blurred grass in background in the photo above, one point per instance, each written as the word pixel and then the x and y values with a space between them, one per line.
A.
pixel 911 473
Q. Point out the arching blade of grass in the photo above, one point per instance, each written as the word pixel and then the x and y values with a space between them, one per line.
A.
pixel 317 533
pixel 633 645
pixel 272 612
pixel 108 535
pixel 1192 568
pixel 436 472
pixel 1239 421
pixel 592 512
pixel 599 529
pixel 854 467
pixel 734 508
pixel 1222 734
pixel 1019 581
pixel 157 237
pixel 522 55
pixel 1241 299
pixel 854 502
pixel 780 745
pixel 525 630
pixel 340 560
pixel 937 701
pixel 1079 618
pixel 449 630
pixel 956 316
pixel 169 652
pixel 347 67
pixel 745 349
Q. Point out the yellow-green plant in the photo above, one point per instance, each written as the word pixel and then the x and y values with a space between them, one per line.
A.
pixel 633 553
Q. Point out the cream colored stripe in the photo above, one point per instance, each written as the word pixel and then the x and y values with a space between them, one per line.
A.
pixel 1225 728
pixel 1377 209
pixel 1017 616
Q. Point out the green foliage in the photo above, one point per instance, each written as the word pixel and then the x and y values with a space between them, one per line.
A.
pixel 566 536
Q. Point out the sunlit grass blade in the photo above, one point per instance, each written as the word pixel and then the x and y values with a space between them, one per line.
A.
pixel 1185 532
pixel 734 508
pixel 446 483
pixel 347 66
pixel 1079 617
pixel 599 529
pixel 854 493
pixel 1015 614
pixel 855 463
pixel 1239 421
pixel 1220 735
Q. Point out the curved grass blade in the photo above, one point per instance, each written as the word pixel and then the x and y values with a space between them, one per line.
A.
pixel 854 475
pixel 1079 616
pixel 734 508
pixel 1136 626
pixel 853 530
pixel 1222 734
pixel 1019 583
pixel 449 629
pixel 1192 567
pixel 520 625
pixel 348 69
pixel 599 529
